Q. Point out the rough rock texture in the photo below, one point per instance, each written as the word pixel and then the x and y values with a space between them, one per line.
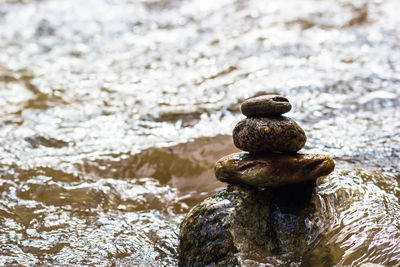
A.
pixel 266 105
pixel 266 134
pixel 347 218
pixel 244 226
pixel 272 169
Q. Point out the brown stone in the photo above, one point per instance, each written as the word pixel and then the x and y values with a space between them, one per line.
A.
pixel 267 134
pixel 266 105
pixel 272 169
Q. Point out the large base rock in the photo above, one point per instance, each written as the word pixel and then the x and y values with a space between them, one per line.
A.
pixel 348 218
pixel 240 225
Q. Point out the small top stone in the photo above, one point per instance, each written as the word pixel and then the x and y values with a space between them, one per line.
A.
pixel 265 105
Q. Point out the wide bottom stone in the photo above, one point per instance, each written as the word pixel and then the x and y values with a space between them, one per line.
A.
pixel 245 226
pixel 314 223
pixel 272 169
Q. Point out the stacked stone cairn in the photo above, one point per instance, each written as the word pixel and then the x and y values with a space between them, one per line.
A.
pixel 243 225
pixel 271 142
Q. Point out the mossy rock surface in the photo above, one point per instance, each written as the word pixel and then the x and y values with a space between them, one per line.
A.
pixel 238 226
pixel 297 225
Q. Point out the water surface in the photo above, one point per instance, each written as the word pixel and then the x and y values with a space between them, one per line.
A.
pixel 112 114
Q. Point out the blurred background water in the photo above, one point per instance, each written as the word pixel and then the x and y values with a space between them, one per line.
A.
pixel 112 113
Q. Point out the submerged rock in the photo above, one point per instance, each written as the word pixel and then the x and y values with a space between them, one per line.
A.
pixel 349 218
pixel 267 134
pixel 266 105
pixel 272 169
pixel 232 221
pixel 240 225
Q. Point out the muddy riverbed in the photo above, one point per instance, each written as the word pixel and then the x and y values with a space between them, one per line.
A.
pixel 112 114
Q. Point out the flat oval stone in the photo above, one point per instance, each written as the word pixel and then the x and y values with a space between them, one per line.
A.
pixel 272 169
pixel 267 134
pixel 265 105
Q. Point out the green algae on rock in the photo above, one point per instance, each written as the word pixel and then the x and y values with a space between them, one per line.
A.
pixel 265 105
pixel 267 134
pixel 241 226
pixel 233 220
pixel 296 225
pixel 272 169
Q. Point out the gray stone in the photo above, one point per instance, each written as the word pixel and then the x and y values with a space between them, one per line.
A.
pixel 266 105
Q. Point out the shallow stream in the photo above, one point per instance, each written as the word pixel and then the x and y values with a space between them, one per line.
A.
pixel 112 114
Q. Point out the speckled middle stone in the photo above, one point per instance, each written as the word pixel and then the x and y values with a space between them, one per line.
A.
pixel 272 169
pixel 265 105
pixel 267 134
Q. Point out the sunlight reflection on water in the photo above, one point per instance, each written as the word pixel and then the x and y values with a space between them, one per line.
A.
pixel 92 93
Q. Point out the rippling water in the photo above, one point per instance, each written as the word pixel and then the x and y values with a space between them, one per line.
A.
pixel 112 114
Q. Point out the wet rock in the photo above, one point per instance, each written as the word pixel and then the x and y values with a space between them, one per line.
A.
pixel 303 224
pixel 272 169
pixel 241 226
pixel 266 105
pixel 266 134
pixel 233 220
